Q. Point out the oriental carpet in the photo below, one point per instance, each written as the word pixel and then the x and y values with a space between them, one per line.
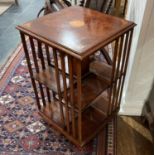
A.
pixel 22 130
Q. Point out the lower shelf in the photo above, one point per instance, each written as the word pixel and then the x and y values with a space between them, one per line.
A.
pixel 52 111
pixel 93 120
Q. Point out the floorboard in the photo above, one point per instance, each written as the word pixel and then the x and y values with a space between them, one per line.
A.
pixel 131 138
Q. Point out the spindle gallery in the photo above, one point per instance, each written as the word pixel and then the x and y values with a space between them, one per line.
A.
pixel 77 80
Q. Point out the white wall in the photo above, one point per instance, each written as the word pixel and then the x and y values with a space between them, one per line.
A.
pixel 140 72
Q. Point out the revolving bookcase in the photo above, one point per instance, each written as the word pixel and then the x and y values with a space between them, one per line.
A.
pixel 77 60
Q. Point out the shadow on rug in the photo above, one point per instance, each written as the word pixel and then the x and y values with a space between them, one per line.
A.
pixel 22 130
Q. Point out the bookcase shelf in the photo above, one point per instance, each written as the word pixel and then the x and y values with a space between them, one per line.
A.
pixel 92 86
pixel 94 116
pixel 48 78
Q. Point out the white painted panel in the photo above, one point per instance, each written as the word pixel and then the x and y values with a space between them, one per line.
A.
pixel 140 71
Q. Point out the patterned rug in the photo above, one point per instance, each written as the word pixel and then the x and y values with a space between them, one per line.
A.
pixel 22 130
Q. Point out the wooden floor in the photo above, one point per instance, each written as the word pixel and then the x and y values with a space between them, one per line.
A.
pixel 132 137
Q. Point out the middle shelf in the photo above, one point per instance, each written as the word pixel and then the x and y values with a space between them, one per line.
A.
pixel 92 86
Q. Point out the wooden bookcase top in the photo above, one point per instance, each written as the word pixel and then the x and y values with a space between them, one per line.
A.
pixel 77 30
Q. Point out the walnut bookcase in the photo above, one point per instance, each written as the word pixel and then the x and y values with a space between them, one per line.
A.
pixel 76 92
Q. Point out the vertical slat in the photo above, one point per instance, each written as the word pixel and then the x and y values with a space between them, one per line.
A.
pixel 43 67
pixel 82 3
pixel 48 54
pixel 121 68
pixel 40 52
pixel 79 91
pixel 125 5
pixel 34 54
pixel 58 83
pixel 113 74
pixel 48 94
pixel 70 66
pixel 65 89
pixel 102 6
pixel 114 60
pixel 113 106
pixel 30 69
pixel 42 93
pixel 128 52
pixel 48 60
pixel 87 4
pixel 119 58
pixel 126 63
pixel 109 6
